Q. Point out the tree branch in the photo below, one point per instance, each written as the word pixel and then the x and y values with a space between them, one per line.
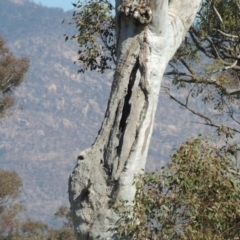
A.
pixel 227 35
pixel 226 91
pixel 208 121
pixel 192 33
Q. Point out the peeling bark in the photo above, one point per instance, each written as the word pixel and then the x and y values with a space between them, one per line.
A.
pixel 148 35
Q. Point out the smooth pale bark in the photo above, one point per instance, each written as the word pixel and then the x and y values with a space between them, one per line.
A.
pixel 147 38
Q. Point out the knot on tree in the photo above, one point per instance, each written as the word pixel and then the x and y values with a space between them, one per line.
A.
pixel 139 11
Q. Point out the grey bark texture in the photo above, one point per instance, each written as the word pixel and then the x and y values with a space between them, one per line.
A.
pixel 148 35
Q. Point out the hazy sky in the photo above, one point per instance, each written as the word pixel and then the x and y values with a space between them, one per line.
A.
pixel 65 4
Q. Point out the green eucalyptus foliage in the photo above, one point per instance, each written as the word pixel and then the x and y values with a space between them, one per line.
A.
pixel 96 35
pixel 195 196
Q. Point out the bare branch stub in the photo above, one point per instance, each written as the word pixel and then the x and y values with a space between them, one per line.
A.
pixel 140 11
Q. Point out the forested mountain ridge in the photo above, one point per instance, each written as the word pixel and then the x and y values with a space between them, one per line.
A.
pixel 61 110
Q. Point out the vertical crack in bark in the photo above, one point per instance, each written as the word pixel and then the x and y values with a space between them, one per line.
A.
pixel 129 127
pixel 124 149
pixel 114 120
pixel 127 107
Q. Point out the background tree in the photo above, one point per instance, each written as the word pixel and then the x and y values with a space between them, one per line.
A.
pixel 10 187
pixel 148 34
pixel 14 222
pixel 66 232
pixel 40 230
pixel 12 73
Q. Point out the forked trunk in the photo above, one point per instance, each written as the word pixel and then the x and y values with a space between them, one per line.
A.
pixel 148 35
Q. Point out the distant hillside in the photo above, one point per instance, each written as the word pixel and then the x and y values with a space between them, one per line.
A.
pixel 62 111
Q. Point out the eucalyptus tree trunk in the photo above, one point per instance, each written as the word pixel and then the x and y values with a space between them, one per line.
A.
pixel 148 35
